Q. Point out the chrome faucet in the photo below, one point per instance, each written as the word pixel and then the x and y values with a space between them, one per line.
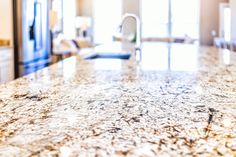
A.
pixel 138 32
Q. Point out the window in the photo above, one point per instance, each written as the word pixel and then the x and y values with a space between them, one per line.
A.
pixel 170 18
pixel 225 21
pixel 69 14
pixel 107 16
pixel 185 18
pixel 227 24
pixel 155 18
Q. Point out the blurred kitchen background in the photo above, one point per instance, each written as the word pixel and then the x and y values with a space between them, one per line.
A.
pixel 37 33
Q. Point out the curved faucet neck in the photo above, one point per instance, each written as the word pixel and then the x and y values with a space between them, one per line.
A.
pixel 138 28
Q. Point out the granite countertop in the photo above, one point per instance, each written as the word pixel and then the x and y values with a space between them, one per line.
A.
pixel 179 101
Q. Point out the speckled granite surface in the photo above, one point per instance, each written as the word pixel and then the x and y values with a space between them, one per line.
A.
pixel 180 101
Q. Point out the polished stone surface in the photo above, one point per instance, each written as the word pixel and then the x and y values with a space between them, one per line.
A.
pixel 179 101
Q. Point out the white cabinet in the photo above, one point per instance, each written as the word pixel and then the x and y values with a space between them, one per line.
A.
pixel 6 65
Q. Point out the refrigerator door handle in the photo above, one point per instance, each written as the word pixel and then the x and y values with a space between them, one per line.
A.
pixel 32 27
pixel 38 39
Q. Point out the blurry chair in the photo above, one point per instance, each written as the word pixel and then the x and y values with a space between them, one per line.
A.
pixel 221 43
pixel 81 43
pixel 64 48
pixel 233 45
pixel 189 40
pixel 217 42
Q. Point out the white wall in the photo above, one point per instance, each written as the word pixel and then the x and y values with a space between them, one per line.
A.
pixel 233 19
pixel 131 6
pixel 6 21
pixel 209 20
pixel 84 8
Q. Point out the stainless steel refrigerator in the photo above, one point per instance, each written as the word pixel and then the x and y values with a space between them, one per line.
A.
pixel 31 35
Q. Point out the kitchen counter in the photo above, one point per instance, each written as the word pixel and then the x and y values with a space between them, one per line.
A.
pixel 4 42
pixel 179 101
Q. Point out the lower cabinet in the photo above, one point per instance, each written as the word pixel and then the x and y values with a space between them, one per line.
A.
pixel 6 65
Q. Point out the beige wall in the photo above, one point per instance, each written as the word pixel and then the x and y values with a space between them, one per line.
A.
pixel 131 6
pixel 233 14
pixel 78 7
pixel 209 20
pixel 84 7
pixel 6 21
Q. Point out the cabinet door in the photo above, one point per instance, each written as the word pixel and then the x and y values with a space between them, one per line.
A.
pixel 6 65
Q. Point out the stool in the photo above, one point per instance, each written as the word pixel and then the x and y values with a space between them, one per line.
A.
pixel 60 54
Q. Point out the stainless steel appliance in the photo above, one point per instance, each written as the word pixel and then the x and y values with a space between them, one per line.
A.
pixel 31 35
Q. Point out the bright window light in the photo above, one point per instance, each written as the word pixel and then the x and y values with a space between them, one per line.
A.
pixel 69 14
pixel 155 18
pixel 227 24
pixel 107 16
pixel 185 18
pixel 175 18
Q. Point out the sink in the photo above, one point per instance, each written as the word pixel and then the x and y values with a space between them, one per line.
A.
pixel 107 55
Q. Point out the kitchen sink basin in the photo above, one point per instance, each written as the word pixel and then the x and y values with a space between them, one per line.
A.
pixel 124 56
